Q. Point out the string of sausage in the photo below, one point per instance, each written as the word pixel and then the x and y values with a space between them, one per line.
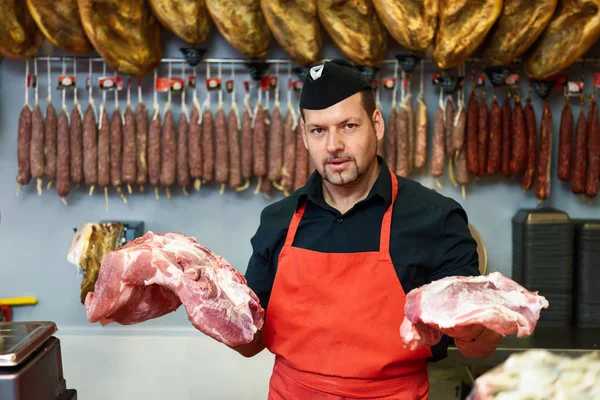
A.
pixel 543 178
pixel 104 146
pixel 593 153
pixel 402 145
pixel 63 152
pixel 507 133
pixel 580 155
pixel 438 152
pixel 301 169
pixel 247 141
pixel 195 141
pixel 483 135
pixel 495 138
pixel 391 135
pixel 259 142
pixel 168 150
pixel 24 139
pixel 76 138
pixel 289 142
pixel 410 116
pixel 141 144
pixel 275 141
pixel 264 182
pixel 208 140
pixel 90 141
pixel 448 128
pixel 37 139
pixel 233 128
pixel 519 146
pixel 531 136
pixel 116 148
pixel 154 145
pixel 421 126
pixel 458 144
pixel 129 164
pixel 50 129
pixel 565 142
pixel 221 145
pixel 472 135
pixel 183 171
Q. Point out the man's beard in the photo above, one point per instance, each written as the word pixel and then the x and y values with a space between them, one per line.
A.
pixel 342 178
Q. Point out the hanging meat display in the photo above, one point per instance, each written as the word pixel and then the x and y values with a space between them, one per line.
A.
pixel 188 19
pixel 463 26
pixel 19 34
pixel 242 23
pixel 519 26
pixel 574 28
pixel 412 23
pixel 59 21
pixel 124 32
pixel 355 29
pixel 295 26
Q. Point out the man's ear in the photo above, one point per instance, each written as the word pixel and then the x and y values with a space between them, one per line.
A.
pixel 378 124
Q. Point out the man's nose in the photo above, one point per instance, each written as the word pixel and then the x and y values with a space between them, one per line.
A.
pixel 335 141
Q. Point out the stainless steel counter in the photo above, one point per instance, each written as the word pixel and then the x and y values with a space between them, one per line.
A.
pixel 574 341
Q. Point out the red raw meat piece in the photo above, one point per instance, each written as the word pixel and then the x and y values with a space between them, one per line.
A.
pixel 156 273
pixel 492 300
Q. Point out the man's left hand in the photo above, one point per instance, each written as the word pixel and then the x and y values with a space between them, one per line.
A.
pixel 474 341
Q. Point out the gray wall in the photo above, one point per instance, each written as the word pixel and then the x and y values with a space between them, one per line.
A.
pixel 35 231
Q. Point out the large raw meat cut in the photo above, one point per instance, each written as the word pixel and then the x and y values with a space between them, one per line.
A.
pixel 492 300
pixel 154 274
pixel 540 374
pixel 574 28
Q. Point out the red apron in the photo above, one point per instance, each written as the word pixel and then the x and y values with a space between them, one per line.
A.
pixel 333 322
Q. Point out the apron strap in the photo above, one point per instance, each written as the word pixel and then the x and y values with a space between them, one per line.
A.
pixel 294 225
pixel 386 224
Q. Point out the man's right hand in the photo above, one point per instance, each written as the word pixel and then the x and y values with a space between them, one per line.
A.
pixel 253 348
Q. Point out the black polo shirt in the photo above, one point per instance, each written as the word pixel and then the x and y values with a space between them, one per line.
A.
pixel 430 237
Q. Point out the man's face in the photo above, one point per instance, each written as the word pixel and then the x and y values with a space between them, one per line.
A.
pixel 342 139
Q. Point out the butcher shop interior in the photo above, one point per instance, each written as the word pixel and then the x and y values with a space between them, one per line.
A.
pixel 164 128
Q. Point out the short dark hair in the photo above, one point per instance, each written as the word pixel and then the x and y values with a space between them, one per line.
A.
pixel 367 100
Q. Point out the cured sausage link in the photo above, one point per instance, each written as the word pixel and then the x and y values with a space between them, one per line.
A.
pixel 183 172
pixel 580 155
pixel 195 146
pixel 519 150
pixel 565 143
pixel 90 148
pixel 221 148
pixel 495 139
pixel 438 154
pixel 507 130
pixel 129 164
pixel 63 152
pixel 593 155
pixel 542 188
pixel 50 143
pixel 76 145
pixel 235 166
pixel 472 137
pixel 37 146
pixel 421 132
pixel 530 126
pixel 141 145
pixel 483 136
pixel 24 146
pixel 154 151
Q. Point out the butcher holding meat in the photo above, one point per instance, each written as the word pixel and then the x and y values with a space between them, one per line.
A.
pixel 332 263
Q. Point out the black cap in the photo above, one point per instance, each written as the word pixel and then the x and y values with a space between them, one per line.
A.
pixel 329 83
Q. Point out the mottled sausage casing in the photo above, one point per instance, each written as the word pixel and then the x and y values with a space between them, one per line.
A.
pixel 76 145
pixel 495 139
pixel 301 168
pixel 259 142
pixel 24 146
pixel 472 136
pixel 402 142
pixel 183 172
pixel 221 147
pixel 116 148
pixel 168 151
pixel 129 166
pixel 154 151
pixel 580 155
pixel 195 146
pixel 565 143
pixel 235 166
pixel 37 145
pixel 531 132
pixel 410 117
pixel 50 141
pixel 593 155
pixel 275 144
pixel 104 150
pixel 421 133
pixel 438 154
pixel 507 130
pixel 458 131
pixel 63 152
pixel 462 174
pixel 141 143
pixel 90 147
pixel 208 146
pixel 390 139
pixel 483 136
pixel 289 151
pixel 247 143
pixel 543 178
pixel 518 162
pixel 449 128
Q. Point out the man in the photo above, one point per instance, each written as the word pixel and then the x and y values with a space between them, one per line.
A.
pixel 333 261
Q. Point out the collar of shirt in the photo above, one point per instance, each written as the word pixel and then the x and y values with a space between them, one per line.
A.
pixel 382 189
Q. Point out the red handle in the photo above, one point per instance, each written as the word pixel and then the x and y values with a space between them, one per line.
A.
pixel 6 313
